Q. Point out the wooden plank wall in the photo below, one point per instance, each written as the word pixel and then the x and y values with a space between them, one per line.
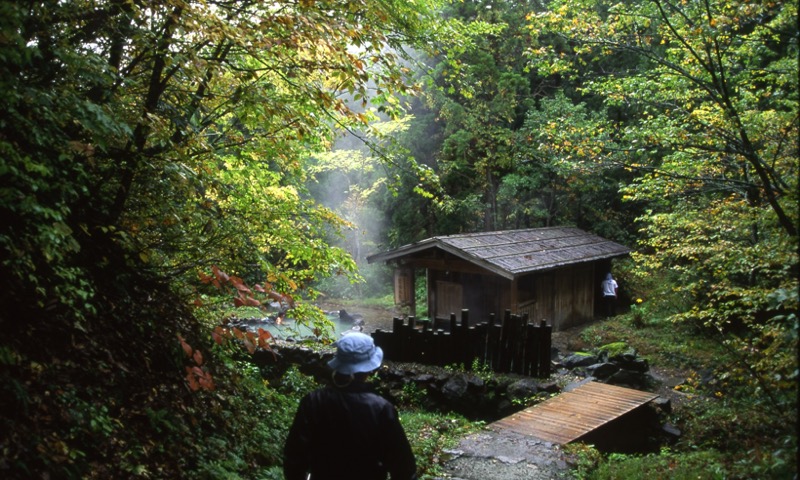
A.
pixel 510 346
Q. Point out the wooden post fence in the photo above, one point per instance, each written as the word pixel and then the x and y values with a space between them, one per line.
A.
pixel 513 346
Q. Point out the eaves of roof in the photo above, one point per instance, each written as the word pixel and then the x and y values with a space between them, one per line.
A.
pixel 512 253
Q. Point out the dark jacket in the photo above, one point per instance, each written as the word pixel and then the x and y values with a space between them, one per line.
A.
pixel 348 433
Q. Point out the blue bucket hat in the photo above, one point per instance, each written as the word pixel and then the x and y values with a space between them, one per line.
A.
pixel 356 353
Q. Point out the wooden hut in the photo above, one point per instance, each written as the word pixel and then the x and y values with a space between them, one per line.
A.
pixel 550 274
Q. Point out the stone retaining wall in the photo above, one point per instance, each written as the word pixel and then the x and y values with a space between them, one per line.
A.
pixel 477 396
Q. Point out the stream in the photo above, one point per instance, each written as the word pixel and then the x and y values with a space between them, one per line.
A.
pixel 286 327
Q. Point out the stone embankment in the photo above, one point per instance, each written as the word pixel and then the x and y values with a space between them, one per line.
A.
pixel 476 395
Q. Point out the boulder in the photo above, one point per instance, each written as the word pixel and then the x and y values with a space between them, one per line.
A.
pixel 549 387
pixel 424 378
pixel 522 389
pixel 663 404
pixel 628 378
pixel 671 431
pixel 475 383
pixel 616 349
pixel 391 372
pixel 629 361
pixel 576 360
pixel 554 354
pixel 455 387
pixel 602 370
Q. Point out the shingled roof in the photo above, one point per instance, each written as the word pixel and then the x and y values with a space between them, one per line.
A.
pixel 511 253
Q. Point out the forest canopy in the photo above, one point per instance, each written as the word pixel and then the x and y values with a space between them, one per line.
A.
pixel 158 157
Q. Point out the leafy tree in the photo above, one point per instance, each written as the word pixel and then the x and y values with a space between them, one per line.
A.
pixel 181 130
pixel 497 137
pixel 143 143
pixel 710 131
pixel 475 93
pixel 561 144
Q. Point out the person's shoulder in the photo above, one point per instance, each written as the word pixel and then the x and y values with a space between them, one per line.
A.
pixel 381 401
pixel 317 394
pixel 377 397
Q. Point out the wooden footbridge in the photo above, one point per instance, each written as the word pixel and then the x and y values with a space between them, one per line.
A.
pixel 573 414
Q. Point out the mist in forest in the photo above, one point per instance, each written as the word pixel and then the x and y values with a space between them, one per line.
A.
pixel 347 185
pixel 352 185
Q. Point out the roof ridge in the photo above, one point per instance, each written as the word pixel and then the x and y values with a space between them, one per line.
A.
pixel 569 246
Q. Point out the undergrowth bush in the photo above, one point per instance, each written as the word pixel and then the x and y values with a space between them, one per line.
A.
pixel 755 443
pixel 726 431
pixel 256 416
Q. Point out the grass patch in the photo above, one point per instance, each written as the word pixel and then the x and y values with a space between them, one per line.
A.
pixel 430 434
pixel 667 464
pixel 386 302
pixel 660 342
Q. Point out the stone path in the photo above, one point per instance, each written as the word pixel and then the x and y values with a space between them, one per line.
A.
pixel 490 455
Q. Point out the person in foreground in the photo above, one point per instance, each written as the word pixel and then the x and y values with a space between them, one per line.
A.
pixel 345 430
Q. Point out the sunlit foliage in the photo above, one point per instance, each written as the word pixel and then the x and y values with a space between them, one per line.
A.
pixel 180 129
pixel 706 98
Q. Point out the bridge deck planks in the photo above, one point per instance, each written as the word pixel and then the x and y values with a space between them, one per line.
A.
pixel 570 415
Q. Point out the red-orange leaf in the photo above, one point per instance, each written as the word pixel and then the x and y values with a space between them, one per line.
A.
pixel 217 335
pixel 222 276
pixel 264 334
pixel 249 345
pixel 187 349
pixel 252 302
pixel 239 284
pixel 206 381
pixel 263 337
pixel 191 380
